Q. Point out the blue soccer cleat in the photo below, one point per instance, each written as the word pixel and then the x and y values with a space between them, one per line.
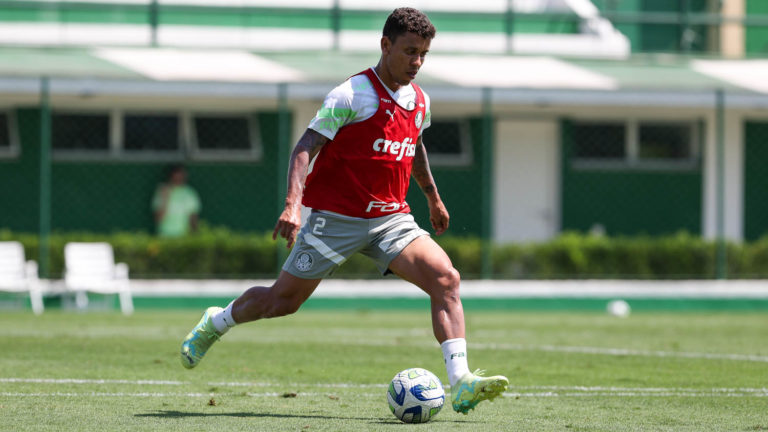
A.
pixel 200 339
pixel 473 388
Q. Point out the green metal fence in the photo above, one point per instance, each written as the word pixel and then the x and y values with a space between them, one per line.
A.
pixel 72 170
pixel 686 26
pixel 628 185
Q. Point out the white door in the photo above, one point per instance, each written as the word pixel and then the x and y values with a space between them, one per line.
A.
pixel 527 179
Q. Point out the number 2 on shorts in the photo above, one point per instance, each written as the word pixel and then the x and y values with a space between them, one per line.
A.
pixel 316 229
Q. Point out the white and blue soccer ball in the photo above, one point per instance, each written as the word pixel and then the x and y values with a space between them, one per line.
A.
pixel 415 395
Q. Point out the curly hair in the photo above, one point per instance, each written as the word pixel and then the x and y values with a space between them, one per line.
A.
pixel 408 20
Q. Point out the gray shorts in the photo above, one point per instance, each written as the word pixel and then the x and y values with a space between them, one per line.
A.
pixel 328 239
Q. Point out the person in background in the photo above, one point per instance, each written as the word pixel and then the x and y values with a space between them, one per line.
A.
pixel 176 205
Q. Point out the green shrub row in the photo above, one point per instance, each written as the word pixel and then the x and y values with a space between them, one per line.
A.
pixel 221 253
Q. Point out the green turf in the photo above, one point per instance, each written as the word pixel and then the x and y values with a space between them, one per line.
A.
pixel 324 370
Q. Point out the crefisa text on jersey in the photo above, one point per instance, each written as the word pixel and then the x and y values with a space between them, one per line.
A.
pixel 405 148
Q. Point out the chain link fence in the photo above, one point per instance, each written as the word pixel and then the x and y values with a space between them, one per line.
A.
pixel 644 187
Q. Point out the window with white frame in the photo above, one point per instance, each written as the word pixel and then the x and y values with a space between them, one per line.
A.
pixel 217 135
pixel 651 144
pixel 80 132
pixel 666 141
pixel 171 135
pixel 151 132
pixel 448 142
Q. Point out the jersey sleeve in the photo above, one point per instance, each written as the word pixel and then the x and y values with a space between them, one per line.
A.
pixel 428 114
pixel 337 111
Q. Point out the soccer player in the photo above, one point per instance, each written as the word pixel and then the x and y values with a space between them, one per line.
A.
pixel 366 143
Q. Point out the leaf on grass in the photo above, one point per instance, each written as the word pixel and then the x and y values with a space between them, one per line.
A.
pixel 289 395
pixel 333 397
pixel 212 402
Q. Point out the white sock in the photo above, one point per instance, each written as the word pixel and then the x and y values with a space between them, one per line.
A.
pixel 455 355
pixel 223 320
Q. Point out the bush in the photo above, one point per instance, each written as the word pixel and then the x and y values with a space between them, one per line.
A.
pixel 221 253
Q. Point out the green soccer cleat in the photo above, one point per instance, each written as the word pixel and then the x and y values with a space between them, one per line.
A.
pixel 199 340
pixel 473 388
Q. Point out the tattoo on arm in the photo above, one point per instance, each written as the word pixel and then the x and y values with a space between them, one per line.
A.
pixel 311 142
pixel 421 171
pixel 306 149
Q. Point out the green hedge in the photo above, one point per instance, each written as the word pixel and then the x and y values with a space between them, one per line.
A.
pixel 221 253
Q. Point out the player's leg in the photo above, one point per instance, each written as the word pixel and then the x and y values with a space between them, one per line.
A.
pixel 324 242
pixel 424 263
pixel 284 297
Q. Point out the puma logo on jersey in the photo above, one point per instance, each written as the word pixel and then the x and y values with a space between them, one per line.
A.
pixel 390 114
pixel 400 149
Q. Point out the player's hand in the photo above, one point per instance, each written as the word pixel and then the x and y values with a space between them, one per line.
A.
pixel 288 225
pixel 438 216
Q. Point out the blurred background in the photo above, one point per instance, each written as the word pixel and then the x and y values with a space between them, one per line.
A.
pixel 570 139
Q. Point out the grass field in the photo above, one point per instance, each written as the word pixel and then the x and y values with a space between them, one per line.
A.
pixel 328 370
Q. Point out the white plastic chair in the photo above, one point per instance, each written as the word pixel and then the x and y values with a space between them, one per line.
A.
pixel 91 267
pixel 19 275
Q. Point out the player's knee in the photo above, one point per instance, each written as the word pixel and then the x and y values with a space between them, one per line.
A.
pixel 449 281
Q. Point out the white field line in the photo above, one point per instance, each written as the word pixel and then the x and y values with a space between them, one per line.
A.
pixel 515 391
pixel 359 386
pixel 587 350
pixel 621 352
pixel 175 383
pixel 146 394
pixel 496 346
pixel 644 389
pixel 636 394
pixel 87 381
pixel 655 394
pixel 289 385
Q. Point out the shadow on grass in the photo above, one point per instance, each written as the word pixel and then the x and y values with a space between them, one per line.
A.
pixel 182 414
pixel 169 414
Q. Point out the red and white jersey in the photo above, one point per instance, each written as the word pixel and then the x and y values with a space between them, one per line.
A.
pixel 364 171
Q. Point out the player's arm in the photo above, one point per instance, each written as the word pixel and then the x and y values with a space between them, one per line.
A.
pixel 290 220
pixel 438 214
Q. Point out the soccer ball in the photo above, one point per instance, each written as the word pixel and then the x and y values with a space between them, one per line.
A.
pixel 618 308
pixel 415 395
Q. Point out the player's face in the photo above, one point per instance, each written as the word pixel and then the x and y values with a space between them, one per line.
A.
pixel 179 177
pixel 404 57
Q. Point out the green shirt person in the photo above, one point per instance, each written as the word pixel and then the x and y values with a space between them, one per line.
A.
pixel 176 205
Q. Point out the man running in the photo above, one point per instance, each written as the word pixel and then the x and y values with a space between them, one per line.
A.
pixel 366 142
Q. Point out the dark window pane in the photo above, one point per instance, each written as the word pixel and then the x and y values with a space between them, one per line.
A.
pixel 665 141
pixel 151 132
pixel 598 140
pixel 222 133
pixel 80 131
pixel 443 137
pixel 5 132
